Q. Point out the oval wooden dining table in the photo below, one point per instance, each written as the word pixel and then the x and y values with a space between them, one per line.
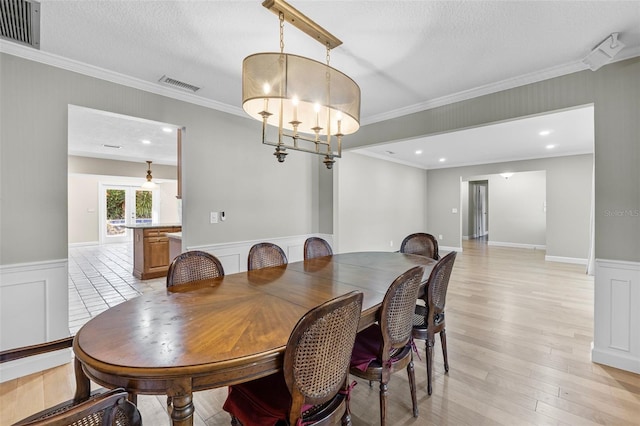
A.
pixel 222 331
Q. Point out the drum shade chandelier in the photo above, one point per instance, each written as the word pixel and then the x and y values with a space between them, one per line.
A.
pixel 312 104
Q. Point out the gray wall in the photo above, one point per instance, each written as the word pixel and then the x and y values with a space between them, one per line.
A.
pixel 568 195
pixel 615 92
pixel 516 209
pixel 225 165
pixel 226 168
pixel 378 203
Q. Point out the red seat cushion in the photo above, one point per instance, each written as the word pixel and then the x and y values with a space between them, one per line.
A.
pixel 260 402
pixel 367 347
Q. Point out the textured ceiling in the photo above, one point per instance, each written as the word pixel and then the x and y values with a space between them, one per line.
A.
pixel 405 55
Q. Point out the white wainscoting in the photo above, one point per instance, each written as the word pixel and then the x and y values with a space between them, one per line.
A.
pixel 34 308
pixel 616 333
pixel 233 256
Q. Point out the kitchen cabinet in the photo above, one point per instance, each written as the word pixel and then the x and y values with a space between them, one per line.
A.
pixel 151 251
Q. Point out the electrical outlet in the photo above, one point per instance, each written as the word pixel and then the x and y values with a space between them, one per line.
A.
pixel 440 236
pixel 391 243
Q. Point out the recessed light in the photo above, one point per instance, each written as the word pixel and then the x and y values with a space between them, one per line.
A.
pixel 146 141
pixel 550 146
pixel 167 129
pixel 545 133
pixel 418 152
pixel 442 160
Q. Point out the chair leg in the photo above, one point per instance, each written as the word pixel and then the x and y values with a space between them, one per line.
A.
pixel 383 403
pixel 346 419
pixel 412 385
pixel 429 356
pixel 443 341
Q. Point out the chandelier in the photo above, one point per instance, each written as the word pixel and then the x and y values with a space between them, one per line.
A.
pixel 311 104
pixel 149 184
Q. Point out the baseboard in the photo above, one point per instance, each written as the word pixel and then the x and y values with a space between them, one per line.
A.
pixel 448 249
pixel 233 255
pixel 560 259
pixel 616 331
pixel 33 364
pixel 616 359
pixel 85 244
pixel 517 245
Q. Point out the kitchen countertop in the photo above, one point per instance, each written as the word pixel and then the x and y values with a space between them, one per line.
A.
pixel 175 235
pixel 152 225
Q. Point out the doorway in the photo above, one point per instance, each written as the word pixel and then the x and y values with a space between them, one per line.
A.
pixel 122 206
pixel 479 206
pixel 112 150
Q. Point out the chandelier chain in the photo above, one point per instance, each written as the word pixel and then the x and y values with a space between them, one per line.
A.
pixel 281 32
pixel 328 53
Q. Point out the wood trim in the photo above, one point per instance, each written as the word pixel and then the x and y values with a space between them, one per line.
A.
pixel 41 348
pixel 179 186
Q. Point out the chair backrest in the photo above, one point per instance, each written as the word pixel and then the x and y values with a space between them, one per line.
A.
pixel 193 266
pixel 396 312
pixel 316 247
pixel 421 244
pixel 263 255
pixel 437 284
pixel 108 408
pixel 318 353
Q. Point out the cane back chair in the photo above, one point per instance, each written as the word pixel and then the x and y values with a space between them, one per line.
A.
pixel 316 247
pixel 428 319
pixel 385 347
pixel 264 255
pixel 422 244
pixel 313 386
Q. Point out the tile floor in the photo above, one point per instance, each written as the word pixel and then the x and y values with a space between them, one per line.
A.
pixel 100 277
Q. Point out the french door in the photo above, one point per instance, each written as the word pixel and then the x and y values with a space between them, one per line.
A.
pixel 121 206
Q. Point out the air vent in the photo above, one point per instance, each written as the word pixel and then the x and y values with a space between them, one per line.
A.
pixel 178 84
pixel 20 22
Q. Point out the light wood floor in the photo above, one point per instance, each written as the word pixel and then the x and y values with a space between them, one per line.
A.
pixel 519 335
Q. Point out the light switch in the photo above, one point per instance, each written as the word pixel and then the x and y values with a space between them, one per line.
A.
pixel 214 217
pixel 454 210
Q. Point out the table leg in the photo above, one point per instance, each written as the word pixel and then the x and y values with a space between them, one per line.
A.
pixel 83 384
pixel 182 412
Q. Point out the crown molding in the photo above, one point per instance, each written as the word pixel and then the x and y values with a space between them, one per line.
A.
pixel 499 86
pixel 114 77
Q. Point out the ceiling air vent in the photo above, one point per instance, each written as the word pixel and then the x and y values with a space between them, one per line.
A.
pixel 178 84
pixel 20 22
